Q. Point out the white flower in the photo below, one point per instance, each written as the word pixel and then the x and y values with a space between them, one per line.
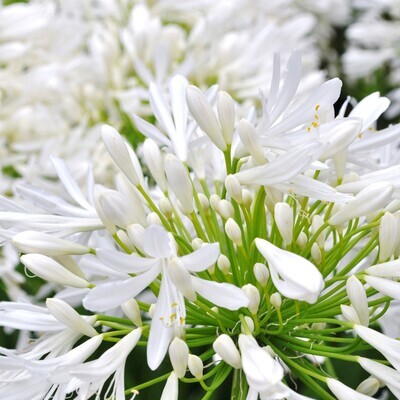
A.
pixel 170 309
pixel 293 276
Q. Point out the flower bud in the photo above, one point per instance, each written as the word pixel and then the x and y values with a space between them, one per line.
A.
pixel 253 295
pixel 132 311
pixel 225 209
pixel 179 182
pixel 166 207
pixel 227 350
pixel 154 161
pixel 126 160
pixel 214 201
pixel 316 253
pixel 261 273
pixel 284 221
pixel 197 243
pixel 358 298
pixel 350 314
pixel 226 115
pixel 195 365
pixel 369 386
pixel 316 224
pixel 318 326
pixel 204 115
pixel 135 233
pixel 247 198
pixel 64 313
pixel 302 240
pixel 388 236
pixel 178 354
pixel 276 300
pixel 153 219
pixel 204 203
pixel 124 238
pixel 233 231
pixel 52 271
pixel 248 327
pixel 48 245
pixel 233 188
pixel 224 264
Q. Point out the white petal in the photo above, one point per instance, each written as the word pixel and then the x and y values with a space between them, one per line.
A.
pixel 128 263
pixel 202 258
pixel 221 294
pixel 109 295
pixel 156 242
pixel 385 286
pixel 160 334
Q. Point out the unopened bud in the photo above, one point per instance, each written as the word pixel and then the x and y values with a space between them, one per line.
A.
pixel 358 298
pixel 52 271
pixel 284 221
pixel 233 188
pixel 316 224
pixel 316 253
pixel 132 311
pixel 195 365
pixel 166 207
pixel 204 203
pixel 64 313
pixel 302 240
pixel 247 198
pixel 49 245
pixel 388 236
pixel 253 295
pixel 197 243
pixel 178 354
pixel 261 273
pixel 350 314
pixel 227 350
pixel 214 201
pixel 124 238
pixel 179 182
pixel 233 231
pixel 224 264
pixel 369 386
pixel 276 300
pixel 318 326
pixel 226 115
pixel 225 209
pixel 154 161
pixel 249 326
pixel 153 219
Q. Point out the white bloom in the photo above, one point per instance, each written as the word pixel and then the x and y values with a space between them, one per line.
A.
pixel 294 276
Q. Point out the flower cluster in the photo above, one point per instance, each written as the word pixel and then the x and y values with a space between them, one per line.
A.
pixel 259 245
